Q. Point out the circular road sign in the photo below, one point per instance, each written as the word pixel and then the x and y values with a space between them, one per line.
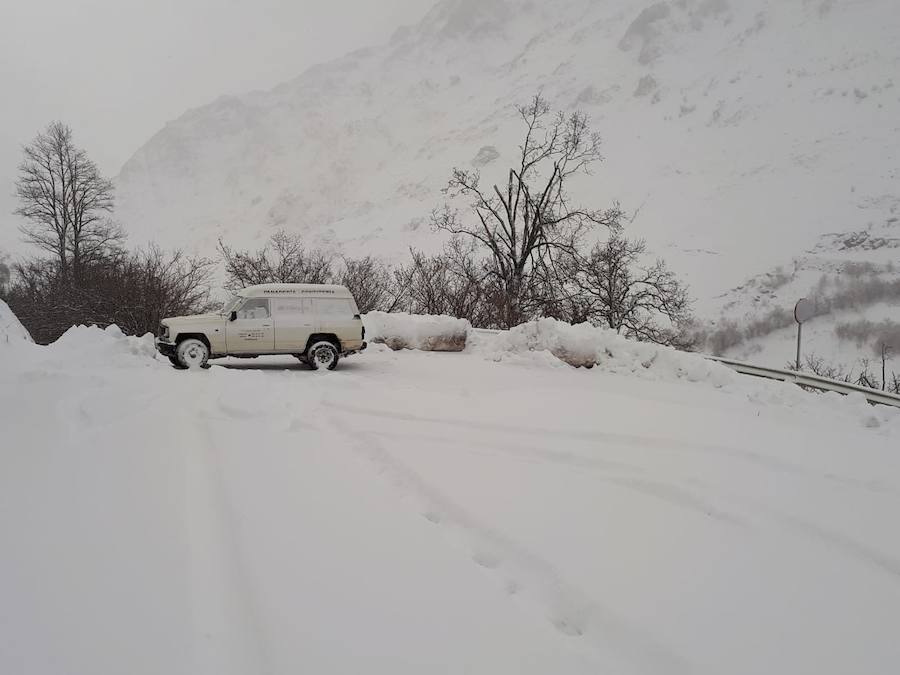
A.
pixel 805 310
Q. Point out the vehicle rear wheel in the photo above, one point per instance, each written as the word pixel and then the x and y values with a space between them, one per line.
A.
pixel 323 355
pixel 192 353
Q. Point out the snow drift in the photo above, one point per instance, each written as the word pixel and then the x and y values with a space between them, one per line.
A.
pixel 423 332
pixel 11 329
pixel 588 346
pixel 581 346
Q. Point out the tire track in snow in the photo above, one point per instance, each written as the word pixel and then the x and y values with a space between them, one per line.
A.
pixel 864 553
pixel 226 611
pixel 226 638
pixel 670 493
pixel 767 462
pixel 569 609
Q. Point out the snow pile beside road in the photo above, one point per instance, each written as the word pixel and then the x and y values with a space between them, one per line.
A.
pixel 587 346
pixel 92 346
pixel 422 332
pixel 11 329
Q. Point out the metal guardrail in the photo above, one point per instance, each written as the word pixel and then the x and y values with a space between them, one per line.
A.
pixel 812 381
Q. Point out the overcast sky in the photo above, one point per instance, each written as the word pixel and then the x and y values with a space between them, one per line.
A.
pixel 117 70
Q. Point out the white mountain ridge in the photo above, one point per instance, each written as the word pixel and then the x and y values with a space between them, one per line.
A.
pixel 742 131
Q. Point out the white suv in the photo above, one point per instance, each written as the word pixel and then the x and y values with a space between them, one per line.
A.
pixel 317 324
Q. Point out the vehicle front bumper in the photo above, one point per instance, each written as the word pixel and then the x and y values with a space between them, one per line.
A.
pixel 165 347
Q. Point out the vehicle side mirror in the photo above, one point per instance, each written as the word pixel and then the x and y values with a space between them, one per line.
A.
pixel 233 316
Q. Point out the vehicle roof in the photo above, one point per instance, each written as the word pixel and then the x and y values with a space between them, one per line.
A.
pixel 295 290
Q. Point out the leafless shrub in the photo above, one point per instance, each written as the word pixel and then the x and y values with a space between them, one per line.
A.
pixel 615 290
pixel 864 292
pixel 453 283
pixel 283 259
pixel 371 282
pixel 132 290
pixel 869 333
pixel 857 270
pixel 862 376
pixel 818 366
pixel 5 274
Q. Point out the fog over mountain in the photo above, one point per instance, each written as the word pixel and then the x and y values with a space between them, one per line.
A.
pixel 741 132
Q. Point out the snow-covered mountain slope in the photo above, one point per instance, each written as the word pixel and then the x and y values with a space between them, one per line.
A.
pixel 416 513
pixel 743 130
pixel 854 281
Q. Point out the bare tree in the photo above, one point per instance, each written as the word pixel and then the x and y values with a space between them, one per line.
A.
pixel 65 201
pixel 452 283
pixel 282 260
pixel 371 282
pixel 527 222
pixel 646 303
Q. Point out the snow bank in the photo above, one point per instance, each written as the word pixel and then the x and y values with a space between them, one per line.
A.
pixel 587 346
pixel 92 346
pixel 11 329
pixel 422 332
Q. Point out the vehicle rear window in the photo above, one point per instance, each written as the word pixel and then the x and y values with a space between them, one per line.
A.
pixel 333 307
pixel 291 306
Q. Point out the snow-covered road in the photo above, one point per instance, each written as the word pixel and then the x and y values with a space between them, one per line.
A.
pixel 422 513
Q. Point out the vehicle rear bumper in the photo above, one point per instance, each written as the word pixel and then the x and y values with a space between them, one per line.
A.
pixel 356 349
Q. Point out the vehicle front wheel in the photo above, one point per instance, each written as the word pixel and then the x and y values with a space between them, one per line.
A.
pixel 192 353
pixel 323 355
pixel 175 362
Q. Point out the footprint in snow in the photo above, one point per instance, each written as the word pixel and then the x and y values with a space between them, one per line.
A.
pixel 568 627
pixel 298 425
pixel 486 559
pixel 513 587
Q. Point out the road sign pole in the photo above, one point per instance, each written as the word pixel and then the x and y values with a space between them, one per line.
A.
pixel 803 312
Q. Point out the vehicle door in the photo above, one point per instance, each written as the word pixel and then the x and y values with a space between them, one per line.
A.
pixel 294 323
pixel 251 331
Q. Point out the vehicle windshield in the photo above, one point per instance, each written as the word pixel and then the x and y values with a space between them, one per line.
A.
pixel 231 304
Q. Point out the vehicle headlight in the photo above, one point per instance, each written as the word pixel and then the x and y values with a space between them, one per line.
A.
pixel 163 331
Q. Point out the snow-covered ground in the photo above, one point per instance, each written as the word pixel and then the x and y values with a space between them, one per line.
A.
pixel 492 511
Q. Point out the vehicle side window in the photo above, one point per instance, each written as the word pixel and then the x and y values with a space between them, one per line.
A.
pixel 254 308
pixel 292 306
pixel 333 307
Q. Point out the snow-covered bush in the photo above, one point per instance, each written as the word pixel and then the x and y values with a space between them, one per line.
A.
pixel 423 332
